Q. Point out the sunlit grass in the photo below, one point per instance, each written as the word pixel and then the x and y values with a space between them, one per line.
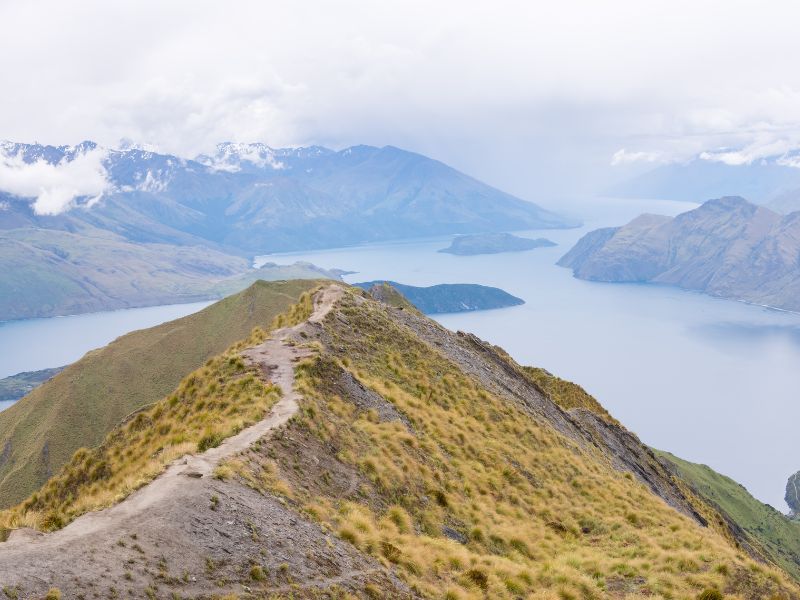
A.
pixel 542 517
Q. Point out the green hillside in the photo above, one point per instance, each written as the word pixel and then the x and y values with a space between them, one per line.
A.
pixel 766 528
pixel 16 386
pixel 49 273
pixel 84 402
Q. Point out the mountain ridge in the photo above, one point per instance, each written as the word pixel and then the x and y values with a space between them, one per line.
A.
pixel 727 247
pixel 714 174
pixel 200 222
pixel 332 198
pixel 78 406
pixel 421 463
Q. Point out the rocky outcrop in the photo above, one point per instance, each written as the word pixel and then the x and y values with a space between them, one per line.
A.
pixel 793 495
pixel 498 372
pixel 727 247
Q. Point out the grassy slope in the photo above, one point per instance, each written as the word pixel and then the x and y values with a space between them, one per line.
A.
pixel 565 393
pixel 49 273
pixel 466 495
pixel 538 516
pixel 60 273
pixel 777 535
pixel 214 402
pixel 82 404
pixel 16 386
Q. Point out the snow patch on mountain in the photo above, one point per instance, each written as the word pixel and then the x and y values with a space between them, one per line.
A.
pixel 230 156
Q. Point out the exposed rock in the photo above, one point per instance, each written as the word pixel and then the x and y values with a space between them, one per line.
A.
pixel 793 495
pixel 495 370
pixel 726 247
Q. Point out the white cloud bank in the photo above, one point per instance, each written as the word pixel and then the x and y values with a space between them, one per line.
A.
pixel 55 188
pixel 623 157
pixel 517 93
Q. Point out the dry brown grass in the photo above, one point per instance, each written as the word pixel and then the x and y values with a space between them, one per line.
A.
pixel 543 518
pixel 212 403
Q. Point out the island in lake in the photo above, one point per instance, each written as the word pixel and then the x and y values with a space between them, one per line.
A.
pixel 493 243
pixel 442 298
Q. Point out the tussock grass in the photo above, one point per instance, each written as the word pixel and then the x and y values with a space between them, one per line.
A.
pixel 566 393
pixel 82 404
pixel 541 516
pixel 214 402
pixel 297 313
pixel 772 532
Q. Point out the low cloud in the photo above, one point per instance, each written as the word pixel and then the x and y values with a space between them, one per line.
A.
pixel 782 151
pixel 623 157
pixel 55 187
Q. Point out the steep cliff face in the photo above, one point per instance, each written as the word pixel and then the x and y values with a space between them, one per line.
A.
pixel 793 495
pixel 412 462
pixel 727 247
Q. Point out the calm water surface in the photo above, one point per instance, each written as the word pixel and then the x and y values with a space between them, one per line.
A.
pixel 714 381
pixel 34 344
pixel 711 380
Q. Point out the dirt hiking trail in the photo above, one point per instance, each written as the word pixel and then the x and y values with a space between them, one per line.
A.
pixel 185 520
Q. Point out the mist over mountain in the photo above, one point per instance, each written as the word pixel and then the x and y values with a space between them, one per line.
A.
pixel 249 198
pixel 772 180
pixel 90 228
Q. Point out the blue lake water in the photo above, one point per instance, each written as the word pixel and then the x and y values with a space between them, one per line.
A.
pixel 34 344
pixel 711 380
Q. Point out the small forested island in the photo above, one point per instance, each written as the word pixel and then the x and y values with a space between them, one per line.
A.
pixel 493 243
pixel 445 297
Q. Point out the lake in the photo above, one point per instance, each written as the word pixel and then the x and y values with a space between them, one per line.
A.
pixel 711 380
pixel 34 344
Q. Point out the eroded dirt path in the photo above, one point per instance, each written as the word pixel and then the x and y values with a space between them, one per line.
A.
pixel 276 357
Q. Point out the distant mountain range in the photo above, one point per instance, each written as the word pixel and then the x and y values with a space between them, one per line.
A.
pixel 86 228
pixel 726 247
pixel 252 199
pixel 773 181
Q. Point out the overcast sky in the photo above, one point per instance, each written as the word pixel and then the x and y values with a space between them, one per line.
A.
pixel 534 97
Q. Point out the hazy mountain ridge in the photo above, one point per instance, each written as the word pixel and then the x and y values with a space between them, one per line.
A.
pixel 726 247
pixel 711 175
pixel 251 199
pixel 156 228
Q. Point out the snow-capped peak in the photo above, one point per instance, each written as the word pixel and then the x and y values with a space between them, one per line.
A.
pixel 230 156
